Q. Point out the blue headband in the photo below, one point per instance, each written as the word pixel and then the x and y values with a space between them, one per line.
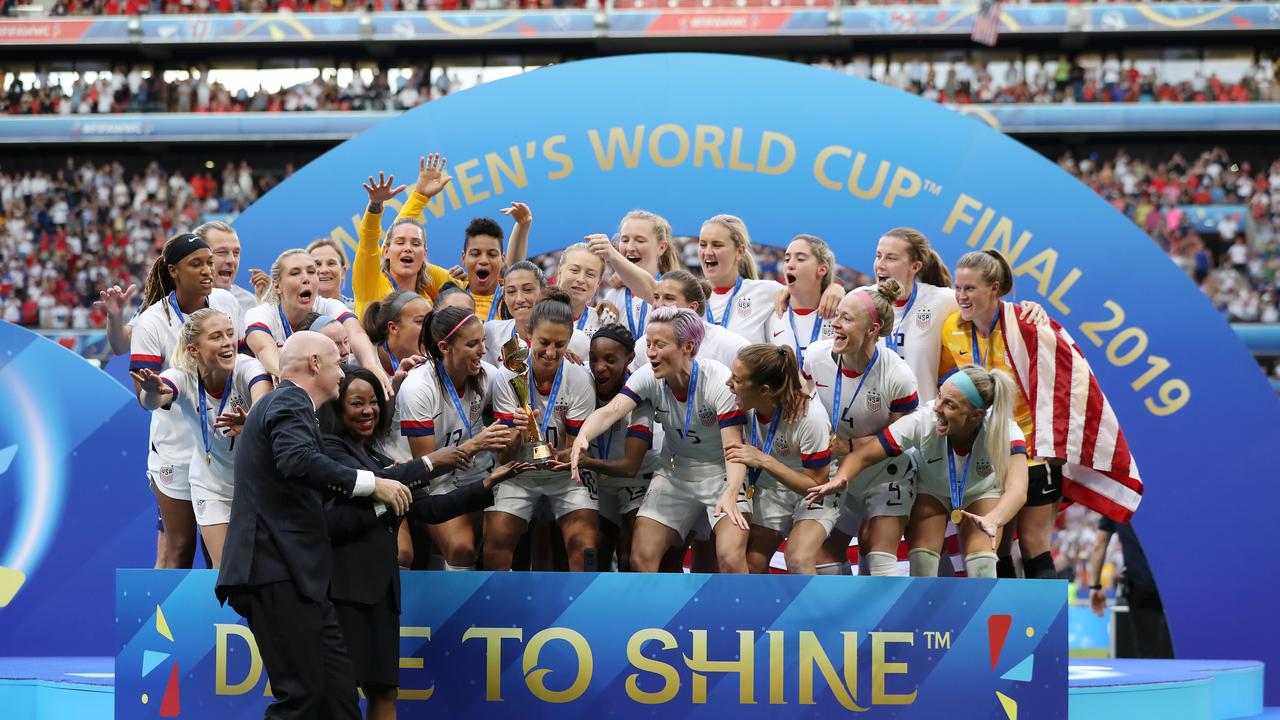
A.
pixel 961 380
pixel 321 321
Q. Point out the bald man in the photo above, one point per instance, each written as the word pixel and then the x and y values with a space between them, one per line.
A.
pixel 276 563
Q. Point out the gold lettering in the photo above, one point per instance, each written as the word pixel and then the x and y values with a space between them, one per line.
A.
pixel 811 654
pixel 223 631
pixel 493 638
pixel 414 663
pixel 535 677
pixel 630 153
pixel 906 184
pixel 1001 234
pixel 1041 268
pixel 707 139
pixel 766 144
pixel 777 662
pixel 1056 298
pixel 735 152
pixel 497 168
pixel 468 181
pixel 682 146
pixel 341 235
pixel 856 172
pixel 436 204
pixel 820 165
pixel 744 666
pixel 981 227
pixel 550 152
pixel 635 656
pixel 880 668
pixel 964 202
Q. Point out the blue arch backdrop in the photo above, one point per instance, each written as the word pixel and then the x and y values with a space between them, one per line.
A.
pixel 691 135
pixel 791 149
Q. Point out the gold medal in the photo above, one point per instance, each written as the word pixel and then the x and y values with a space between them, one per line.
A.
pixel 956 516
pixel 751 490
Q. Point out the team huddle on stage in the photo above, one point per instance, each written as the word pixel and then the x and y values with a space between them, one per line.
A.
pixel 724 414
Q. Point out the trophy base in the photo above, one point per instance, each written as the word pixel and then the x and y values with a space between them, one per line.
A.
pixel 537 454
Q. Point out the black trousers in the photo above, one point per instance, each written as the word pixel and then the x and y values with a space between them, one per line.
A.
pixel 303 653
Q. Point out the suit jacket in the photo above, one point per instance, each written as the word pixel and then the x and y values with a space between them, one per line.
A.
pixel 364 544
pixel 278 530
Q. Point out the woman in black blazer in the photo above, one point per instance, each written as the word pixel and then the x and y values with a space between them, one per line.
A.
pixel 365 586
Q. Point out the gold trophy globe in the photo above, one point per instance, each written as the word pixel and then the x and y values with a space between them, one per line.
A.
pixel 515 358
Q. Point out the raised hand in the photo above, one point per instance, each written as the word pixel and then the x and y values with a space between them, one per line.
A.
pixel 382 189
pixel 259 280
pixel 457 272
pixel 231 422
pixel 519 212
pixel 600 244
pixel 432 177
pixel 113 300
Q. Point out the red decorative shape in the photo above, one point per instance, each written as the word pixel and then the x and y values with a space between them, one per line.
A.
pixel 997 631
pixel 1241 22
pixel 170 705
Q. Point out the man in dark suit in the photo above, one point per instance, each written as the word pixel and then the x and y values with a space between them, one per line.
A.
pixel 277 560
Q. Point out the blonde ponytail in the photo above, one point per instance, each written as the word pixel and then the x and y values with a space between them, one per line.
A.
pixel 741 241
pixel 999 392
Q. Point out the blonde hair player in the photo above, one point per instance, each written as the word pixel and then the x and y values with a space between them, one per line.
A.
pixel 292 294
pixel 579 273
pixel 974 335
pixel 700 419
pixel 788 448
pixel 213 388
pixel 973 469
pixel 180 282
pixel 644 254
pixel 863 388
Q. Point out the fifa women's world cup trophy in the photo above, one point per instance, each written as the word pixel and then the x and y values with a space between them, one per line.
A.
pixel 515 357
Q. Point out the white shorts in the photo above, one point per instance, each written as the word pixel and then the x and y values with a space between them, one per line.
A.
pixel 520 496
pixel 774 506
pixel 212 511
pixel 174 481
pixel 680 502
pixel 825 512
pixel 973 492
pixel 617 501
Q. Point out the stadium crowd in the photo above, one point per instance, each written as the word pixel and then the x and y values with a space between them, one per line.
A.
pixel 139 89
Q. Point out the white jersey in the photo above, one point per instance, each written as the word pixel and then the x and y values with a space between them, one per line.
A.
pixel 917 430
pixel 588 322
pixel 215 474
pixel 799 329
pixel 888 388
pixel 717 344
pixel 801 445
pixel 426 410
pixel 499 332
pixel 155 335
pixel 917 332
pixel 269 319
pixel 713 408
pixel 611 445
pixel 638 319
pixel 752 308
pixel 574 402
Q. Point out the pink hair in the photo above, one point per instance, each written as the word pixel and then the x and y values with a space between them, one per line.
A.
pixel 684 322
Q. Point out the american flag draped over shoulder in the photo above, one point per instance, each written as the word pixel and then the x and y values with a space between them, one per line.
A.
pixel 986 23
pixel 1073 419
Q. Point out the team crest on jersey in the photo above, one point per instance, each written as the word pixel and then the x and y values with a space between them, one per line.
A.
pixel 707 416
pixel 983 466
pixel 827 331
pixel 923 316
pixel 874 399
pixel 744 307
pixel 562 407
pixel 782 447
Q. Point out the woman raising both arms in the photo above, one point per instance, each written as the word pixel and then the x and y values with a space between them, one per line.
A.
pixel 213 387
